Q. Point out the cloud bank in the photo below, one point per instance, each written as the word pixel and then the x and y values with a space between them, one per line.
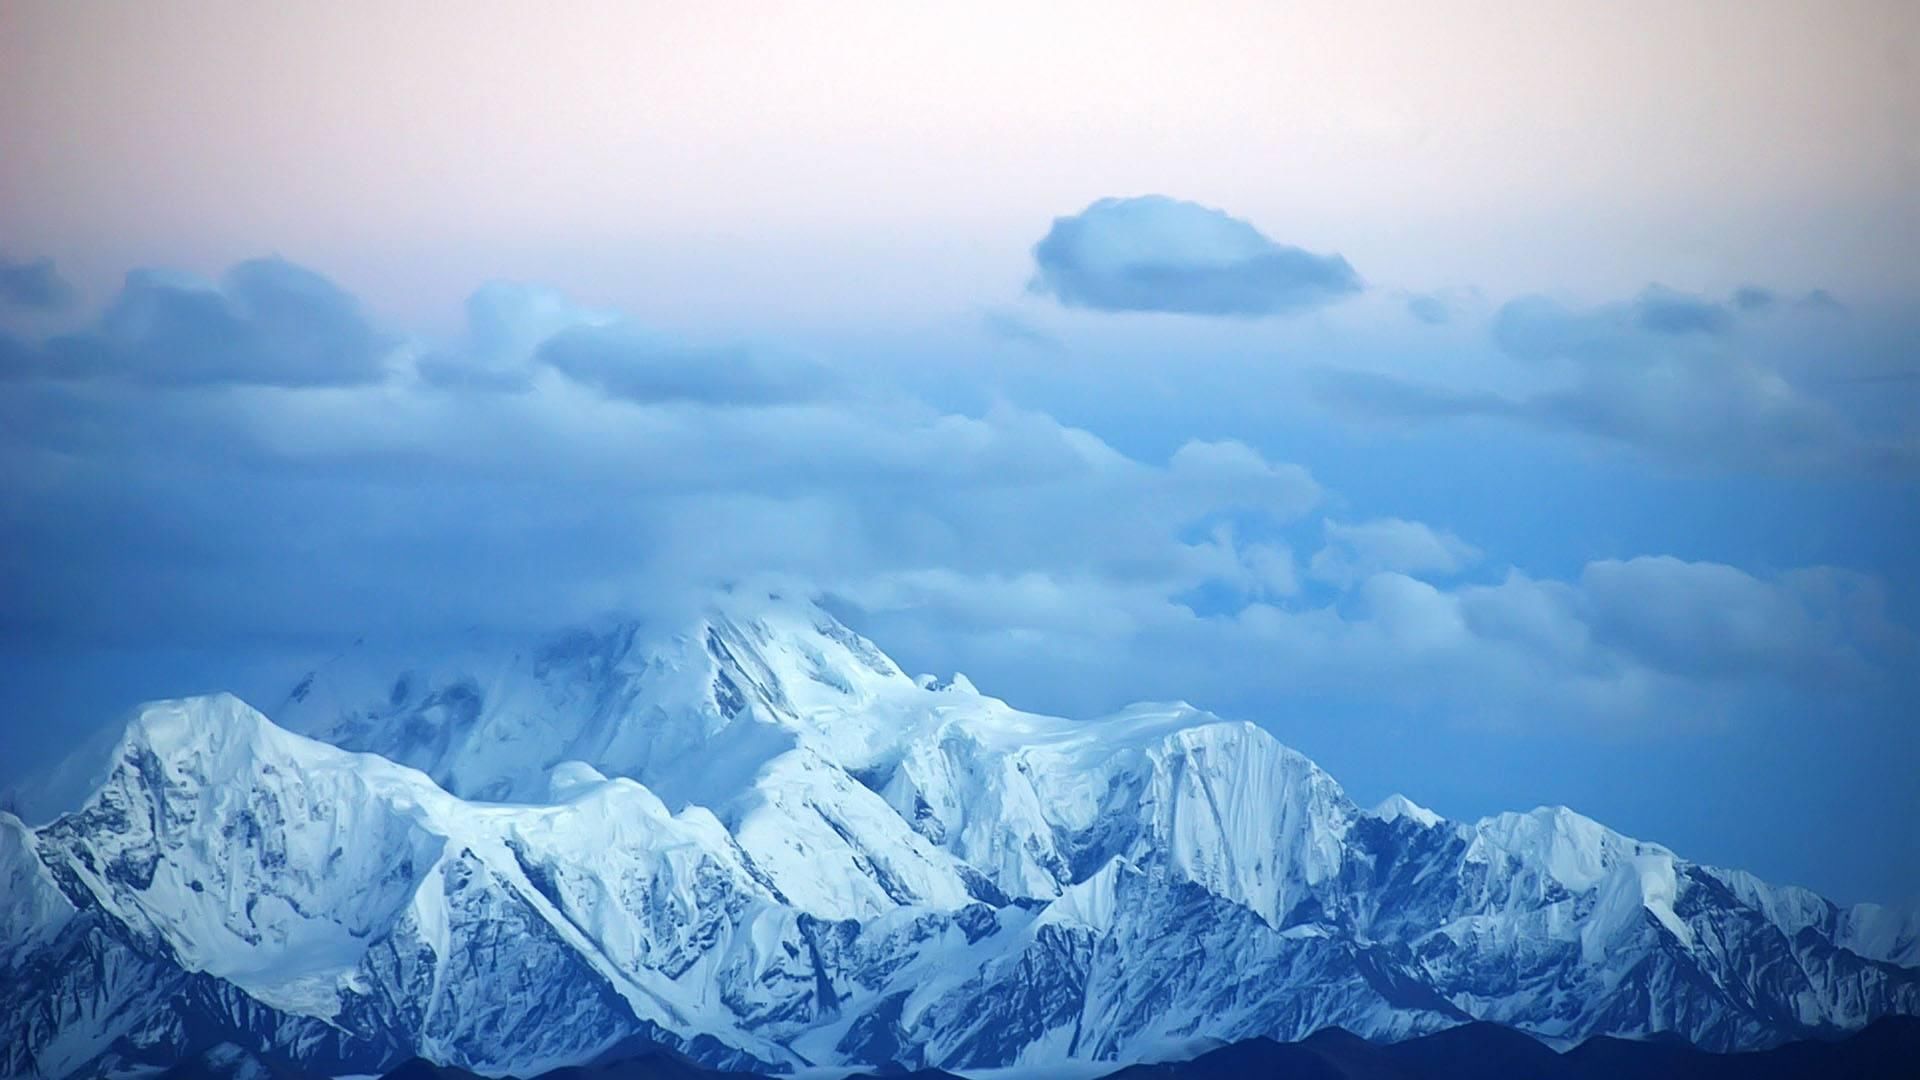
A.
pixel 1674 375
pixel 255 461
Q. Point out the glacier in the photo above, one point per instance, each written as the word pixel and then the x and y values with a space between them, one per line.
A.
pixel 753 839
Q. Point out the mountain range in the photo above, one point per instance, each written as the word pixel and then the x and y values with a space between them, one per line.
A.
pixel 750 840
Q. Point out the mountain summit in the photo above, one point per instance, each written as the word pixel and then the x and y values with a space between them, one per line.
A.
pixel 753 840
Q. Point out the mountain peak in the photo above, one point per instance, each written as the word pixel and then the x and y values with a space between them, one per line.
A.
pixel 212 728
pixel 1571 848
pixel 1397 806
pixel 742 676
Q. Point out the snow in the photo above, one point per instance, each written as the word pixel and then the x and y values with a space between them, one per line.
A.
pixel 1398 807
pixel 286 918
pixel 756 827
pixel 1575 851
pixel 1881 932
pixel 32 908
pixel 571 779
pixel 1090 904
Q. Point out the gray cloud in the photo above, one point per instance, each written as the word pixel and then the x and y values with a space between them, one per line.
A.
pixel 1723 414
pixel 1667 373
pixel 1540 328
pixel 1537 327
pixel 1710 620
pixel 517 333
pixel 33 285
pixel 266 323
pixel 1664 311
pixel 623 363
pixel 1156 254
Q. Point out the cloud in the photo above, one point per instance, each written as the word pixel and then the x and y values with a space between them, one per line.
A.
pixel 272 323
pixel 1156 254
pixel 33 285
pixel 1355 552
pixel 1514 653
pixel 1539 328
pixel 1661 310
pixel 1755 298
pixel 518 333
pixel 624 475
pixel 1712 620
pixel 1666 373
pixel 1822 300
pixel 1720 413
pixel 1429 309
pixel 267 323
pixel 1230 474
pixel 627 364
pixel 507 323
pixel 1007 326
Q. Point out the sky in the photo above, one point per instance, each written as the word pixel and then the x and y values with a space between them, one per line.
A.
pixel 1505 405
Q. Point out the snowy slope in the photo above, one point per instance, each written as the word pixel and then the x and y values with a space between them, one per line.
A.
pixel 757 841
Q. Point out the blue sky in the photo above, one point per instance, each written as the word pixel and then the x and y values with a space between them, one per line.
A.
pixel 1493 429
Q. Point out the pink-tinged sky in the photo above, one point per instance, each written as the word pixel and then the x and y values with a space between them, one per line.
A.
pixel 796 163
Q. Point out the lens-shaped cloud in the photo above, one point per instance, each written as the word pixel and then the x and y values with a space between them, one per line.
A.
pixel 1156 254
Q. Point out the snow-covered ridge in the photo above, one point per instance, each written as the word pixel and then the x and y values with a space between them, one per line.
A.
pixel 755 839
pixel 1395 807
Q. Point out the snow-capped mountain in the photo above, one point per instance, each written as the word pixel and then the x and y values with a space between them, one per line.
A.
pixel 756 841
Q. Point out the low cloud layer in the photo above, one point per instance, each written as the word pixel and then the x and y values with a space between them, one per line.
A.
pixel 1684 378
pixel 1155 254
pixel 307 477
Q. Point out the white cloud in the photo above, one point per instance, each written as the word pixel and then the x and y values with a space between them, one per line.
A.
pixel 1356 551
